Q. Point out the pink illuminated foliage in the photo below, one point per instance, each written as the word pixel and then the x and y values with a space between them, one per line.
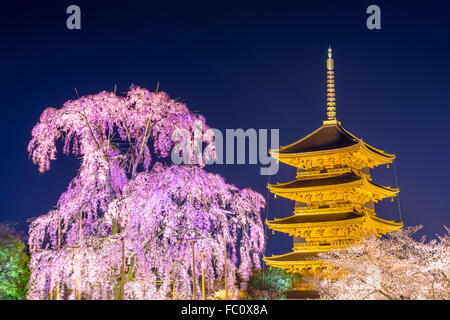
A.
pixel 133 204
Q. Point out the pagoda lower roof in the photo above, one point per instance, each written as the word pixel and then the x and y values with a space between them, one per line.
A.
pixel 294 257
pixel 329 182
pixel 327 137
pixel 312 220
pixel 316 218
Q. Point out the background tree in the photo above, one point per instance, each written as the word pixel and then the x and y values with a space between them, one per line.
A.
pixel 270 283
pixel 395 267
pixel 14 272
pixel 124 226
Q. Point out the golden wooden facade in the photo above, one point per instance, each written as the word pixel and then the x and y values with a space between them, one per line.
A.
pixel 333 191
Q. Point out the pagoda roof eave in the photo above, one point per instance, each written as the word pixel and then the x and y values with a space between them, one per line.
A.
pixel 314 224
pixel 292 258
pixel 380 225
pixel 381 155
pixel 346 141
pixel 370 148
pixel 389 225
pixel 317 183
pixel 351 218
pixel 392 191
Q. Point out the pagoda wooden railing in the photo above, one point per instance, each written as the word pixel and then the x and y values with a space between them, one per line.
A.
pixel 322 246
pixel 340 207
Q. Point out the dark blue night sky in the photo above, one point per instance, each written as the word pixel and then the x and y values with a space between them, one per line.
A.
pixel 242 65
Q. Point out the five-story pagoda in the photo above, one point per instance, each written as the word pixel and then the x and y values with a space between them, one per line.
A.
pixel 333 192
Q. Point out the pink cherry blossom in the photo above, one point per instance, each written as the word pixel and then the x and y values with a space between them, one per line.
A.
pixel 134 209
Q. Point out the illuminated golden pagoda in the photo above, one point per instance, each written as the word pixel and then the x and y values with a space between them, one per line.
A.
pixel 333 192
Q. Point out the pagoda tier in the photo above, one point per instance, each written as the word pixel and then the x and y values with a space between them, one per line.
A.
pixel 332 229
pixel 299 262
pixel 333 192
pixel 347 187
pixel 323 232
pixel 331 146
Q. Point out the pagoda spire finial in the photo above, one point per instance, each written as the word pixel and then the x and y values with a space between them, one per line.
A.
pixel 331 100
